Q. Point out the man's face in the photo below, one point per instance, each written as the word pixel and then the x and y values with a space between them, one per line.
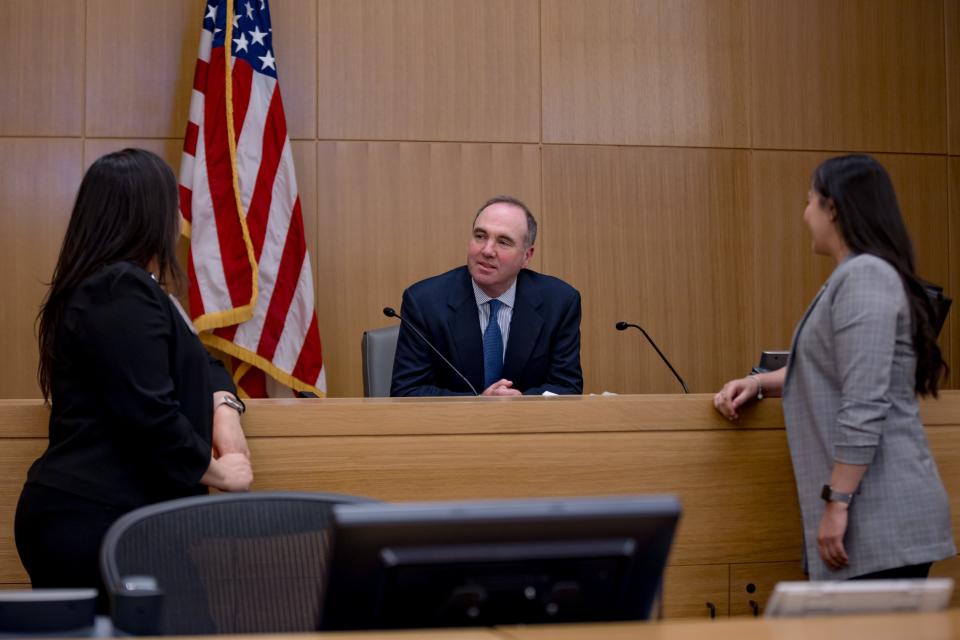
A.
pixel 497 250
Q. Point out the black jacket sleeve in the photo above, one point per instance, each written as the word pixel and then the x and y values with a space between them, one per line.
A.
pixel 129 335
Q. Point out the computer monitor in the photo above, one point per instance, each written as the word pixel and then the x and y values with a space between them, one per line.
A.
pixel 450 564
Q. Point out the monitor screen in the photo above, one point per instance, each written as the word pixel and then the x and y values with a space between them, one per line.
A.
pixel 450 564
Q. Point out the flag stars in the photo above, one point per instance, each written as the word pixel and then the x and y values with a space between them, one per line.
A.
pixel 249 11
pixel 268 61
pixel 211 12
pixel 258 36
pixel 236 21
pixel 241 43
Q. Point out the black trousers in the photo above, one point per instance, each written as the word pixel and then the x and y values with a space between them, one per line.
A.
pixel 58 536
pixel 910 571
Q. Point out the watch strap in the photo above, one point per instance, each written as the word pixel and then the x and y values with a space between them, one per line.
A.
pixel 829 494
pixel 233 402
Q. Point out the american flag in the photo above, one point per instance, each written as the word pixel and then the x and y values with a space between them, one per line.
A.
pixel 251 288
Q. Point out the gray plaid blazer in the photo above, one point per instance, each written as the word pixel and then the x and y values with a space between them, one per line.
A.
pixel 849 397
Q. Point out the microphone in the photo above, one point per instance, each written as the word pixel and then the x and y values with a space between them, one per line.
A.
pixel 390 312
pixel 623 325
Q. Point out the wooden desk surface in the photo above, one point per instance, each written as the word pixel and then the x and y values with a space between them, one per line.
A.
pixel 915 626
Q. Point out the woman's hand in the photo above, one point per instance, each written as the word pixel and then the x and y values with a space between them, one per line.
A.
pixel 229 472
pixel 734 395
pixel 833 526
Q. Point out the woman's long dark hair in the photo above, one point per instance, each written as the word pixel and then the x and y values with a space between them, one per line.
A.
pixel 870 222
pixel 126 209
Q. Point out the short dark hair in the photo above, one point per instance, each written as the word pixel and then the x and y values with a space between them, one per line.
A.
pixel 531 236
pixel 126 209
pixel 870 221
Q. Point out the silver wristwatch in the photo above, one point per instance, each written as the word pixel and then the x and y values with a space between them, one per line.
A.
pixel 232 402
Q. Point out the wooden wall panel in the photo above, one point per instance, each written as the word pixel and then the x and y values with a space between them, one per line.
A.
pixel 393 213
pixel 140 59
pixel 652 72
pixel 751 584
pixel 953 288
pixel 861 74
pixel 295 44
pixel 662 238
pixel 687 590
pixel 952 22
pixel 169 149
pixel 41 47
pixel 429 70
pixel 38 182
pixel 788 274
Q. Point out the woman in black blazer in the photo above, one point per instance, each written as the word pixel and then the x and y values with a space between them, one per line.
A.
pixel 140 412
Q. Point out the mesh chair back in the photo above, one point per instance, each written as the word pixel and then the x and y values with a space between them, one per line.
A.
pixel 228 563
pixel 378 348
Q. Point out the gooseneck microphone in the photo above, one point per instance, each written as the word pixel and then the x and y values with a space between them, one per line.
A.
pixel 390 312
pixel 623 325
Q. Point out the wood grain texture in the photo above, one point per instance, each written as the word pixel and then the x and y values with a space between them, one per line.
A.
pixel 140 59
pixel 787 274
pixel 167 148
pixel 295 43
pixel 393 213
pixel 707 471
pixel 952 21
pixel 752 583
pixel 659 237
pixel 650 72
pixel 952 328
pixel 43 73
pixel 861 74
pixel 949 568
pixel 38 182
pixel 687 590
pixel 429 70
pixel 890 626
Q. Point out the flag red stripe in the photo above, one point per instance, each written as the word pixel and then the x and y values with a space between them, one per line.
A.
pixel 186 204
pixel 274 135
pixel 254 383
pixel 311 357
pixel 193 293
pixel 242 79
pixel 228 332
pixel 233 251
pixel 288 276
pixel 190 140
pixel 200 76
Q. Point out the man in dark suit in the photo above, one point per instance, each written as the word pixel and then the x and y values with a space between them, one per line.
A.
pixel 509 330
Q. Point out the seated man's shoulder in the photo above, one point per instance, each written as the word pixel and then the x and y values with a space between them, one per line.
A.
pixel 438 283
pixel 549 284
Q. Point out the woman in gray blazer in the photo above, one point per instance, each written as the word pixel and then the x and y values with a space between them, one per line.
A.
pixel 871 499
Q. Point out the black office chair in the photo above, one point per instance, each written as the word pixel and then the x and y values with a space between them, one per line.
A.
pixel 377 349
pixel 225 563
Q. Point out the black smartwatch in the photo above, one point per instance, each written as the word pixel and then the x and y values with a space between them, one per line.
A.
pixel 830 495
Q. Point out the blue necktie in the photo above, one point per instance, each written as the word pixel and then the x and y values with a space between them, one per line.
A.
pixel 492 347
